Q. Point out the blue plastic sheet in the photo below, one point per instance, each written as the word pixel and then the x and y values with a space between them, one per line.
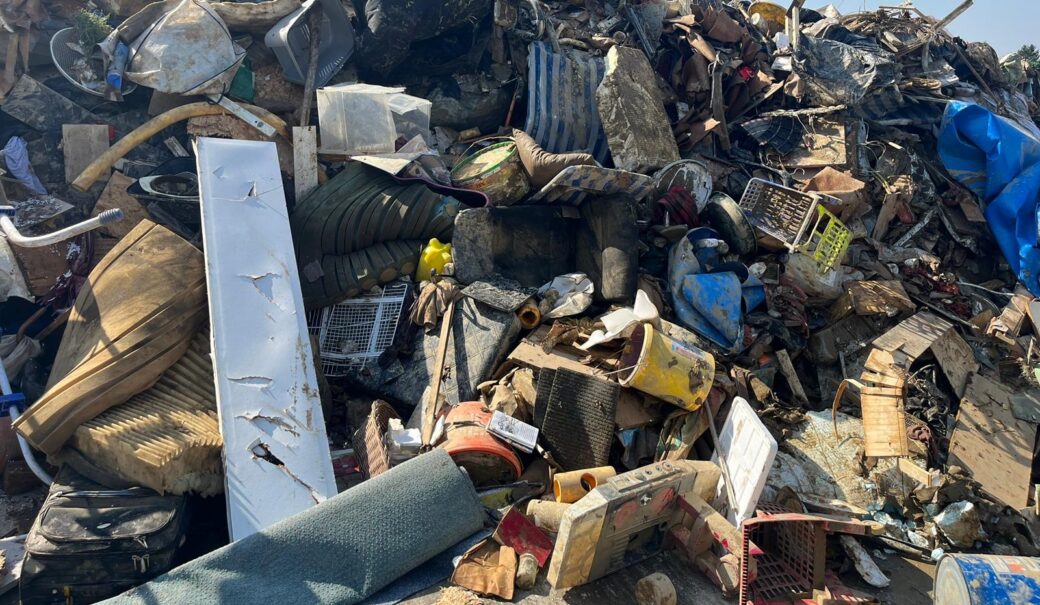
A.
pixel 999 162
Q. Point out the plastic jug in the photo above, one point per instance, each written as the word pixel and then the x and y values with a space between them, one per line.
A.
pixel 432 260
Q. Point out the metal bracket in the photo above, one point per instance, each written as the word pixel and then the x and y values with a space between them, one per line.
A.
pixel 244 114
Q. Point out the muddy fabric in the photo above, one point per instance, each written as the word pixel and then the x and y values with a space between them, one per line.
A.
pixel 541 165
pixel 432 303
pixel 487 569
pixel 393 25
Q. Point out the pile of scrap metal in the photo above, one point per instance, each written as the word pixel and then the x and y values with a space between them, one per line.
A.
pixel 738 293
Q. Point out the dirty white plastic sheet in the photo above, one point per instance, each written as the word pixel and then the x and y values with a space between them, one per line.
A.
pixel 616 322
pixel 276 452
pixel 749 450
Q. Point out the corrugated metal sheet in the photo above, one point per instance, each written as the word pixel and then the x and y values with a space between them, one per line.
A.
pixel 561 102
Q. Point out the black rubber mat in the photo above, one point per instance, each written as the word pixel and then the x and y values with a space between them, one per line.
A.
pixel 577 424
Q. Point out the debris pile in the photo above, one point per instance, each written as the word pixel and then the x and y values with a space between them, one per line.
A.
pixel 475 296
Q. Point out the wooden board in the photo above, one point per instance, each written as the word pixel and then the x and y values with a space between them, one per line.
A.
pixel 42 266
pixel 825 145
pixel 134 319
pixel 990 443
pixel 881 400
pixel 41 108
pixel 166 437
pixel 115 196
pixel 305 160
pixel 82 144
pixel 923 331
pixel 276 451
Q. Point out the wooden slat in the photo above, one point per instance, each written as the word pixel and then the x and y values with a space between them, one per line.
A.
pixel 115 196
pixel 82 144
pixel 990 443
pixel 155 283
pixel 884 421
pixel 305 160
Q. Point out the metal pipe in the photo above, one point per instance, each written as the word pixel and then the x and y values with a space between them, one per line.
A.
pixel 5 384
pixel 30 459
pixel 16 238
pixel 5 389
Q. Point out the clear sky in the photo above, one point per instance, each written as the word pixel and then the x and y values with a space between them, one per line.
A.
pixel 1004 24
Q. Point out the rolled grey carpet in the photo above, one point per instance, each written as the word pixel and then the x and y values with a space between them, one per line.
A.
pixel 338 552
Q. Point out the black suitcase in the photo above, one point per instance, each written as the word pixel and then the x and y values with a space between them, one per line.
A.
pixel 90 542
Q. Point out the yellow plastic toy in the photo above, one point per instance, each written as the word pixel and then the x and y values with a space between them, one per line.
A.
pixel 432 260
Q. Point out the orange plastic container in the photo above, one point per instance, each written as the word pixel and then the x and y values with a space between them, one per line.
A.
pixel 487 460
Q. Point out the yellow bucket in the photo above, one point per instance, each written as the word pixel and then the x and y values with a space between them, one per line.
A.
pixel 669 370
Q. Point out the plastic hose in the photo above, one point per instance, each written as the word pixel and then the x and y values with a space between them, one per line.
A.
pixel 16 238
pixel 152 127
pixel 5 388
pixel 30 459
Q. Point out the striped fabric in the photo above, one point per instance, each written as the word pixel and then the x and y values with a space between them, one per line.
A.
pixel 575 183
pixel 561 102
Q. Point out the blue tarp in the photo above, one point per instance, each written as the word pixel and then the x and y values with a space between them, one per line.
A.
pixel 999 162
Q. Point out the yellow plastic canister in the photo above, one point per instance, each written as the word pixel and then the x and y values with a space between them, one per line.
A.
pixel 660 366
pixel 433 259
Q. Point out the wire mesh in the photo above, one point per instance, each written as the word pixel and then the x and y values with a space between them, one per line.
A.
pixel 778 211
pixel 355 332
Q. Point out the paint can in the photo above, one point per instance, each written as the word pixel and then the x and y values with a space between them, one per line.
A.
pixel 487 460
pixel 667 369
pixel 495 171
pixel 964 579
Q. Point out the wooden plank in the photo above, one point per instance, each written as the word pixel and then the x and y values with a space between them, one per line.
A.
pixel 1007 326
pixel 914 335
pixel 879 298
pixel 305 160
pixel 42 266
pixel 990 443
pixel 922 332
pixel 917 473
pixel 82 144
pixel 884 419
pixel 956 359
pixel 276 451
pixel 792 376
pixel 115 196
pixel 155 279
pixel 41 108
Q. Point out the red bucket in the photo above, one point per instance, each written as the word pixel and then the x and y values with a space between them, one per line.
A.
pixel 487 460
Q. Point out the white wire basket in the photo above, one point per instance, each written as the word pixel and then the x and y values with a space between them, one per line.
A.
pixel 355 332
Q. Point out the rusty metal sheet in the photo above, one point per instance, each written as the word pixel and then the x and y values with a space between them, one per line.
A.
pixel 276 452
